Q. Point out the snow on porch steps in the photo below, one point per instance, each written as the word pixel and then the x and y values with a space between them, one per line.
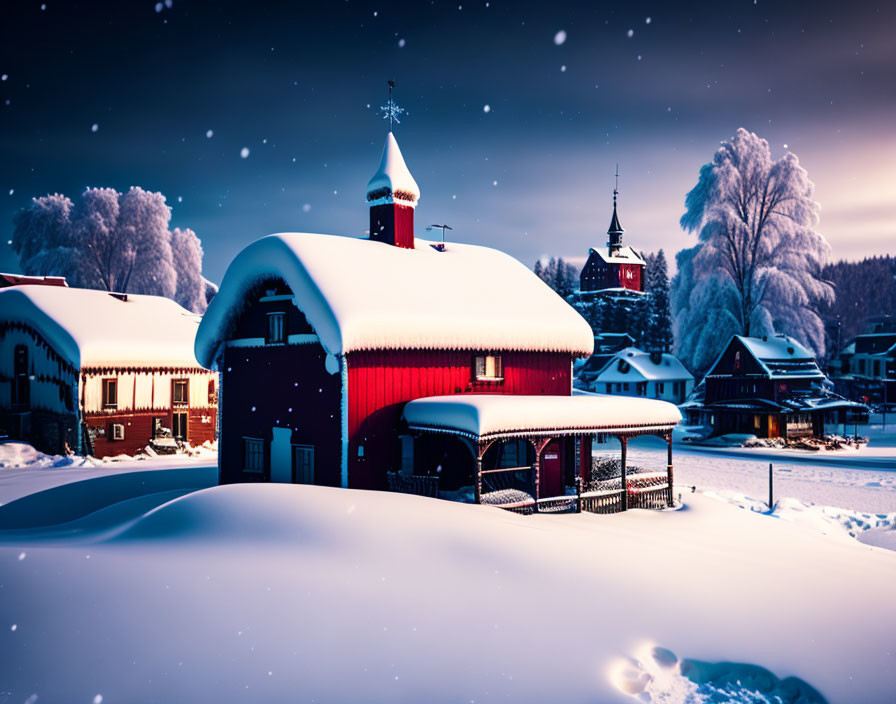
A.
pixel 485 415
pixel 358 294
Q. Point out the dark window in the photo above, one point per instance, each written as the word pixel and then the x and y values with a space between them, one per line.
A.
pixel 641 388
pixel 21 389
pixel 303 464
pixel 110 393
pixel 212 393
pixel 180 392
pixel 253 455
pixel 179 425
pixel 660 388
pixel 488 367
pixel 276 328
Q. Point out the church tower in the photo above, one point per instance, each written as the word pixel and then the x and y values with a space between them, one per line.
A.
pixel 392 195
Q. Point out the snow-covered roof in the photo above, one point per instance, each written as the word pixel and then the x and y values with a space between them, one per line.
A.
pixel 359 294
pixel 781 356
pixel 624 255
pixel 392 181
pixel 98 329
pixel 638 363
pixel 482 416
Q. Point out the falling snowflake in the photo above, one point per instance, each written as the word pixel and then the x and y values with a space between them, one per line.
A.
pixel 43 7
pixel 486 108
pixel 13 190
pixel 630 33
pixel 306 207
pixel 94 127
pixel 21 556
pixel 159 7
pixel 401 43
pixel 13 627
pixel 98 699
pixel 494 183
pixel 4 77
pixel 560 37
pixel 647 20
pixel 563 68
pixel 244 152
pixel 180 199
pixel 210 133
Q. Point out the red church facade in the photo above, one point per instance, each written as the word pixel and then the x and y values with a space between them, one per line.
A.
pixel 614 267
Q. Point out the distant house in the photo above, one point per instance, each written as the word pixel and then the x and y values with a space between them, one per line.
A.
pixel 616 267
pixel 606 344
pixel 100 373
pixel 634 372
pixel 389 361
pixel 7 280
pixel 768 387
pixel 866 368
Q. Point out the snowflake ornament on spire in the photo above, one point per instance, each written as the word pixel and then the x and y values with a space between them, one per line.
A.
pixel 390 110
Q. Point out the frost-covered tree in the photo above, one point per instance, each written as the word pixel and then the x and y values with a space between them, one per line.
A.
pixel 187 255
pixel 758 267
pixel 658 336
pixel 114 242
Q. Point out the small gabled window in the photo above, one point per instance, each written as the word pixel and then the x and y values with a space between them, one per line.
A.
pixel 110 393
pixel 488 367
pixel 180 392
pixel 276 331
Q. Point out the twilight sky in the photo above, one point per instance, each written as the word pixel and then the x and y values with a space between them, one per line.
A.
pixel 511 133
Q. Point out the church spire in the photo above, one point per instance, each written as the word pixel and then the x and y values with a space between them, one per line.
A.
pixel 614 241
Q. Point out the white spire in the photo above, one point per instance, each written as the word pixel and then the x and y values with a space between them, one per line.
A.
pixel 392 182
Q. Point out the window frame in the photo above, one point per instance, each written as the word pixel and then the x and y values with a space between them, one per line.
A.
pixel 108 401
pixel 257 444
pixel 270 338
pixel 175 383
pixel 481 363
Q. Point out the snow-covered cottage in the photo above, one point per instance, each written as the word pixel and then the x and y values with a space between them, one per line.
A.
pixel 616 267
pixel 634 372
pixel 101 373
pixel 768 387
pixel 347 359
pixel 866 368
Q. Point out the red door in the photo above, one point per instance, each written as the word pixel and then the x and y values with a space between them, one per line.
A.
pixel 551 470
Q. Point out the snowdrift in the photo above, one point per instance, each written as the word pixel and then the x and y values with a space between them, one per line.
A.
pixel 285 593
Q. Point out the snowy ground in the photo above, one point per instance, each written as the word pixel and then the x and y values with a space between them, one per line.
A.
pixel 154 591
pixel 863 480
pixel 291 593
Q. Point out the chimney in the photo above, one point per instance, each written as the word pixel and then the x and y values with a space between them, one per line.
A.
pixel 392 195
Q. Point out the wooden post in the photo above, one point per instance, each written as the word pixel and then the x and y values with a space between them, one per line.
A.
pixel 623 441
pixel 771 498
pixel 479 479
pixel 669 499
pixel 578 494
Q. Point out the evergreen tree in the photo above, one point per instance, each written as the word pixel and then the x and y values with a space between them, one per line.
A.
pixel 658 336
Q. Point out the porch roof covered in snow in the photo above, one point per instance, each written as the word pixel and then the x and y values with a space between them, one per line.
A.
pixel 489 416
pixel 359 294
pixel 97 329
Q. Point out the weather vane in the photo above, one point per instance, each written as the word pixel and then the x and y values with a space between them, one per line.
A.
pixel 390 110
pixel 616 189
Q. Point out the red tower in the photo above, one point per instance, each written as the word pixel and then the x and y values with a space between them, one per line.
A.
pixel 392 194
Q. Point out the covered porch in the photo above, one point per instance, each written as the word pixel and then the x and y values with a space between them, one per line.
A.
pixel 533 453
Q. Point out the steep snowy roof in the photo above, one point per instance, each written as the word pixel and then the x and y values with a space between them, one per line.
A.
pixel 639 364
pixel 782 356
pixel 98 329
pixel 490 415
pixel 392 182
pixel 358 294
pixel 624 255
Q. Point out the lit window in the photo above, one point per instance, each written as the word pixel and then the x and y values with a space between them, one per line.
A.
pixel 179 392
pixel 110 393
pixel 489 368
pixel 275 328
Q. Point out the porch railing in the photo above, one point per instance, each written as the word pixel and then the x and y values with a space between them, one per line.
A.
pixel 418 485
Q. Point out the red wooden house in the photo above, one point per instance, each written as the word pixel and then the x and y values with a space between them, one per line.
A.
pixel 322 341
pixel 100 373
